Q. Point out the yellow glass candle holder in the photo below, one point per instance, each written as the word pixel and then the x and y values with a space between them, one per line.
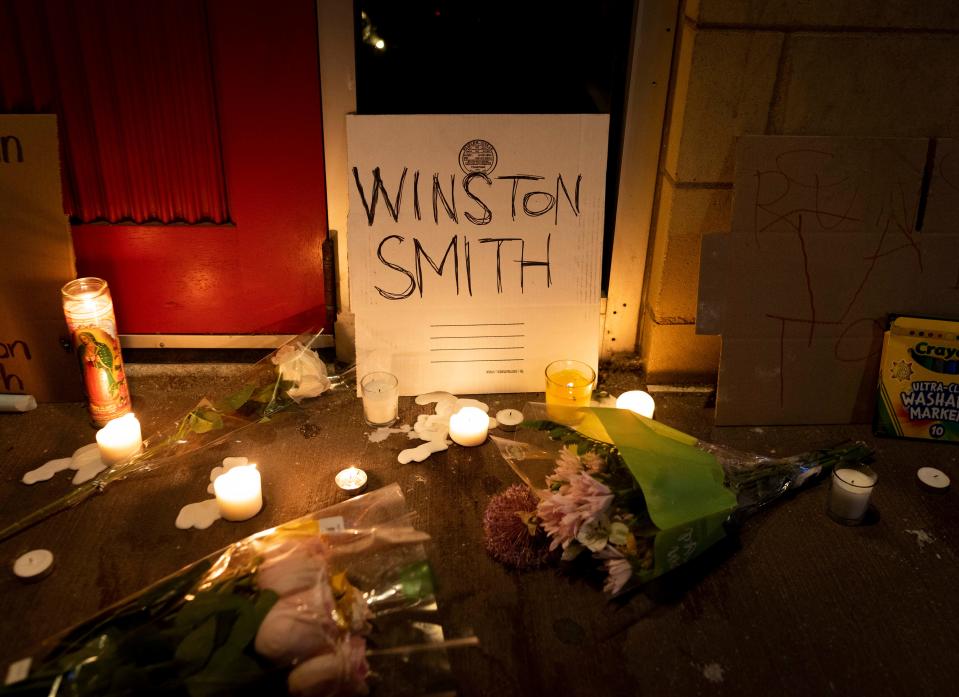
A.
pixel 569 383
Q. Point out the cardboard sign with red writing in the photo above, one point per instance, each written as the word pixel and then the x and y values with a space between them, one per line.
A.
pixel 35 261
pixel 830 236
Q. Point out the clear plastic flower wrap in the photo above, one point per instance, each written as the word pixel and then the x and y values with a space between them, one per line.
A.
pixel 338 602
pixel 638 496
pixel 272 385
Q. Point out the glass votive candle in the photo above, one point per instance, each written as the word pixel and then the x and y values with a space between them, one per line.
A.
pixel 88 309
pixel 381 396
pixel 849 493
pixel 569 383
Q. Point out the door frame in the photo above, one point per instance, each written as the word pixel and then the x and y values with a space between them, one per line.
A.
pixel 650 61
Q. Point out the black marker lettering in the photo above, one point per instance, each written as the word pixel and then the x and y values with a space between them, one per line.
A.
pixel 516 179
pixel 438 194
pixel 574 206
pixel 523 264
pixel 394 208
pixel 5 142
pixel 487 213
pixel 409 289
pixel 420 254
pixel 499 245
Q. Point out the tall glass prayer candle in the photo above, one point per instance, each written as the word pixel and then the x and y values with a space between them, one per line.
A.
pixel 88 308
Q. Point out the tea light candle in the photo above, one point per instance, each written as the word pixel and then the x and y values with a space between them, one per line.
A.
pixel 238 493
pixel 119 439
pixel 638 402
pixel 33 565
pixel 509 419
pixel 850 493
pixel 469 426
pixel 933 480
pixel 352 480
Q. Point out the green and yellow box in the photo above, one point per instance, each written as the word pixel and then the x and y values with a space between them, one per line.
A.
pixel 919 380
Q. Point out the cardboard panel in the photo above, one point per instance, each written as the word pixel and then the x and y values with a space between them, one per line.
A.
pixel 475 258
pixel 824 247
pixel 37 259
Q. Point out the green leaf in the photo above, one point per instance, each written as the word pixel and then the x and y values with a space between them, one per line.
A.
pixel 236 400
pixel 206 420
pixel 265 393
pixel 416 580
pixel 195 650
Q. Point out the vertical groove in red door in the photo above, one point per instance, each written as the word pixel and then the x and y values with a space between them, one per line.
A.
pixel 264 272
pixel 133 87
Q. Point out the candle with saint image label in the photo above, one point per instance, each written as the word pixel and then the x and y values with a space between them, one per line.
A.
pixel 88 309
pixel 238 493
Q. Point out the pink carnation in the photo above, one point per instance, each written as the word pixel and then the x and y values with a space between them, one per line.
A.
pixel 567 467
pixel 618 570
pixel 565 512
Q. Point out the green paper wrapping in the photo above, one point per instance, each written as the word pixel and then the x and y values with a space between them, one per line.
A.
pixel 671 494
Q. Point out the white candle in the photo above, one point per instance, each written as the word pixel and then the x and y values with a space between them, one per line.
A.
pixel 380 398
pixel 33 565
pixel 469 426
pixel 932 479
pixel 119 439
pixel 509 419
pixel 638 402
pixel 850 493
pixel 238 493
pixel 352 480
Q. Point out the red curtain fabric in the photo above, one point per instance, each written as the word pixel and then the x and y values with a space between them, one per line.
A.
pixel 133 86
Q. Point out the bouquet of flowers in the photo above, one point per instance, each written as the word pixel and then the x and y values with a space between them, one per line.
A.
pixel 640 497
pixel 324 605
pixel 286 377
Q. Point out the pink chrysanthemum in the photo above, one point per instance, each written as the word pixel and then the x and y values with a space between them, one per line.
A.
pixel 567 467
pixel 512 538
pixel 562 514
pixel 618 570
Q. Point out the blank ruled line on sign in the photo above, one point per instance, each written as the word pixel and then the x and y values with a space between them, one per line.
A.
pixel 483 336
pixel 486 324
pixel 480 348
pixel 483 360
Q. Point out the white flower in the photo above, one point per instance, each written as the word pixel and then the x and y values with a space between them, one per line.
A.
pixel 594 534
pixel 304 369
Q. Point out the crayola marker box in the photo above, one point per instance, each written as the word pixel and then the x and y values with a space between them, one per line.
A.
pixel 919 380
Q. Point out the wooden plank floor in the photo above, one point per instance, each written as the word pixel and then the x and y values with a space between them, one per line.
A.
pixel 797 605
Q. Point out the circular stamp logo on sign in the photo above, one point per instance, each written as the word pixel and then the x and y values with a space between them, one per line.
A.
pixel 478 156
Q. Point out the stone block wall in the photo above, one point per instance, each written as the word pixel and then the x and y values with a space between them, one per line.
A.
pixel 778 67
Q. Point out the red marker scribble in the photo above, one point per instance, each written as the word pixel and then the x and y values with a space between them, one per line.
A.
pixel 895 217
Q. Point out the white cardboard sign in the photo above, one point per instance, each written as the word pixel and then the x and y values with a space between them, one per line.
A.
pixel 475 247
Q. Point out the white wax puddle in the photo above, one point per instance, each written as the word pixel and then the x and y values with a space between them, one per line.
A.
pixel 713 672
pixel 422 451
pixel 199 515
pixel 384 432
pixel 202 514
pixel 228 464
pixel 434 428
pixel 431 397
pixel 85 461
pixel 923 538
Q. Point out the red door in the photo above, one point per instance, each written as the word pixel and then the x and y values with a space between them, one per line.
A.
pixel 193 154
